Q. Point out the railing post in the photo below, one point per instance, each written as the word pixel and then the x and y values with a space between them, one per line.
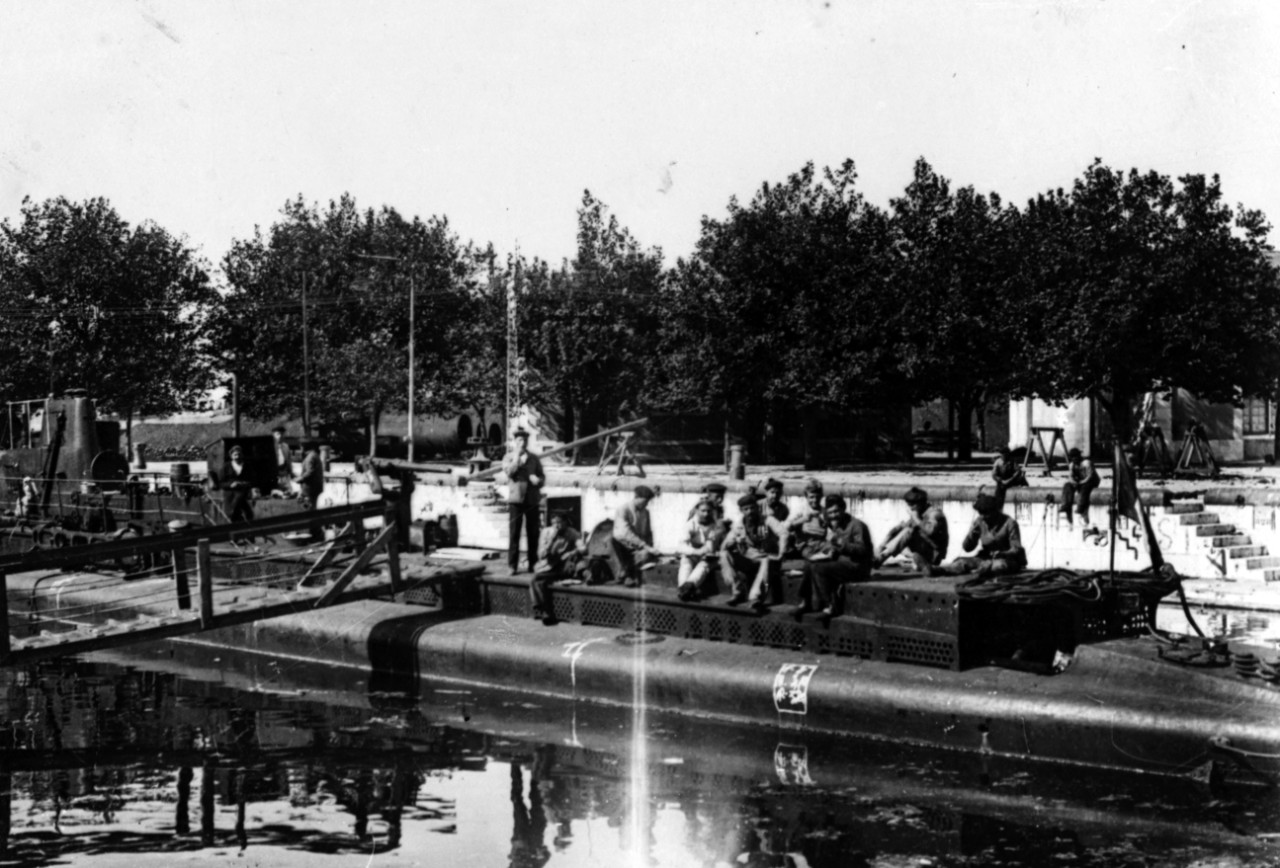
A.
pixel 180 577
pixel 4 618
pixel 204 575
pixel 393 552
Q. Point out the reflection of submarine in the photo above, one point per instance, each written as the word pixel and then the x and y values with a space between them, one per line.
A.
pixel 583 754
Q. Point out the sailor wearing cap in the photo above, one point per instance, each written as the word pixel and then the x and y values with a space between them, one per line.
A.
pixel 237 488
pixel 713 493
pixel 524 496
pixel 752 554
pixel 773 505
pixel 996 537
pixel 699 552
pixel 845 558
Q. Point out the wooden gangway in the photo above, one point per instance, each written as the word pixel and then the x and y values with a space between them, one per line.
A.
pixel 181 595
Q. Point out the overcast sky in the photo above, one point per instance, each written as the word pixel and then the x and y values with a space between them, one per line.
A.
pixel 206 116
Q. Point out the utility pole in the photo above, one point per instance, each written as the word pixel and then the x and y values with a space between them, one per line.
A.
pixel 306 367
pixel 409 431
pixel 413 291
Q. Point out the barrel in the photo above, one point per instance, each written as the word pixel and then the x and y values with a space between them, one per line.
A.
pixel 179 474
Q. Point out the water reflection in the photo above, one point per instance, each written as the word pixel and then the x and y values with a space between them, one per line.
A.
pixel 102 760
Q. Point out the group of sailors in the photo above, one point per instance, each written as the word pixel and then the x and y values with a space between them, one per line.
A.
pixel 746 556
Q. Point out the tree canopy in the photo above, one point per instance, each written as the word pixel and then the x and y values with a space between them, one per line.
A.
pixel 92 302
pixel 806 302
pixel 357 270
pixel 1131 283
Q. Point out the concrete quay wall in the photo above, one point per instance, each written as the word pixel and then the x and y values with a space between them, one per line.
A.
pixel 1216 535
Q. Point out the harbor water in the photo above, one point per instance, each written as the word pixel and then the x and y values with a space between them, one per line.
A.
pixel 172 754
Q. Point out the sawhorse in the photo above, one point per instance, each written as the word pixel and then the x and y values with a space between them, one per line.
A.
pixel 619 452
pixel 1196 451
pixel 1037 439
pixel 1151 443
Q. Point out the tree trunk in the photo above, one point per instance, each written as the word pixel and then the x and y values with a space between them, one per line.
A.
pixel 964 442
pixel 574 420
pixel 1120 410
pixel 1275 443
pixel 128 434
pixel 809 426
pixel 951 430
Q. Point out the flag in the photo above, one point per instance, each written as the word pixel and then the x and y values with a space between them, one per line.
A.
pixel 1129 504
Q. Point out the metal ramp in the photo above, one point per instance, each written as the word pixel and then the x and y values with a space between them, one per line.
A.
pixel 182 593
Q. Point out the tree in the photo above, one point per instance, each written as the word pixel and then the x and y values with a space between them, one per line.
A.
pixel 1134 284
pixel 587 329
pixel 786 303
pixel 357 270
pixel 94 303
pixel 953 270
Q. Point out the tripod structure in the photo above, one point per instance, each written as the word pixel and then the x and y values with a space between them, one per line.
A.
pixel 1151 445
pixel 1196 455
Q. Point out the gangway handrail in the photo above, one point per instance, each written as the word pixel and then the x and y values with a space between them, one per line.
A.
pixel 183 539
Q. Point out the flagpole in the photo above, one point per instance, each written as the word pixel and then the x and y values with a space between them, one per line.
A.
pixel 1115 503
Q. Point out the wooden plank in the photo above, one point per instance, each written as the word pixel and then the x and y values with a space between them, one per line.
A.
pixel 122 634
pixel 326 558
pixel 354 568
pixel 133 547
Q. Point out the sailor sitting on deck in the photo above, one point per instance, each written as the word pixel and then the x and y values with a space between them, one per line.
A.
pixel 1082 479
pixel 923 535
pixel 998 539
pixel 1006 473
pixel 808 527
pixel 752 554
pixel 699 551
pixel 774 507
pixel 633 537
pixel 560 552
pixel 713 493
pixel 846 557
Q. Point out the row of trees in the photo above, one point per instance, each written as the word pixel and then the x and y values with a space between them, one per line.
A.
pixel 807 299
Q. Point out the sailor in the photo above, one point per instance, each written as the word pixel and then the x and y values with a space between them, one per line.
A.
pixel 560 550
pixel 808 527
pixel 524 496
pixel 1006 473
pixel 774 506
pixel 923 535
pixel 237 489
pixel 699 551
pixel 633 537
pixel 284 460
pixel 752 554
pixel 845 557
pixel 713 493
pixel 29 500
pixel 1082 479
pixel 311 479
pixel 997 539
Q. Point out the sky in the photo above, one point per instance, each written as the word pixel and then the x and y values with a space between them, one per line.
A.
pixel 206 117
